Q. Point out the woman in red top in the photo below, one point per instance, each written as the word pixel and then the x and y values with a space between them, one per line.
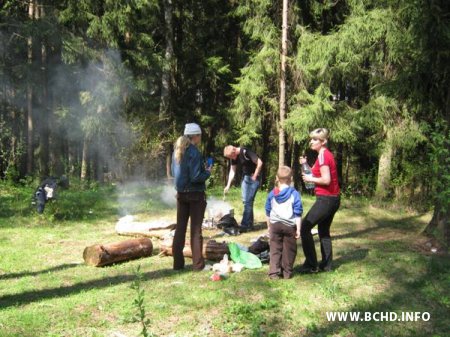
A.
pixel 324 176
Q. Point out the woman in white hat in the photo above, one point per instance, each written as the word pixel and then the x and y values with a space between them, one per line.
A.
pixel 190 175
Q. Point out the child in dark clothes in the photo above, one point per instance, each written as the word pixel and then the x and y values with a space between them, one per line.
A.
pixel 283 210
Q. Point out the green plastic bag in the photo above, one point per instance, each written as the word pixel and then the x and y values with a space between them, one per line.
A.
pixel 249 260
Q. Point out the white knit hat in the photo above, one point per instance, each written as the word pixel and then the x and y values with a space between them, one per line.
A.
pixel 192 129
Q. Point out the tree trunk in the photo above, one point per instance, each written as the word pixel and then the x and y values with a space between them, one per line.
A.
pixel 165 108
pixel 339 163
pixel 347 166
pixel 296 164
pixel 439 225
pixel 265 150
pixel 44 117
pixel 384 170
pixel 281 131
pixel 30 133
pixel 102 255
pixel 85 159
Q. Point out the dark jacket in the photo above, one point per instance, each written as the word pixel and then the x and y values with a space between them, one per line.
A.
pixel 190 175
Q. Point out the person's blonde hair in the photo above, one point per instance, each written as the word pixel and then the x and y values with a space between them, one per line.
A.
pixel 320 133
pixel 228 150
pixel 284 175
pixel 181 145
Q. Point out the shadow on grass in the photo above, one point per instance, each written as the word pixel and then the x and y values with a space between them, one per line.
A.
pixel 425 293
pixel 352 256
pixel 407 224
pixel 35 273
pixel 28 297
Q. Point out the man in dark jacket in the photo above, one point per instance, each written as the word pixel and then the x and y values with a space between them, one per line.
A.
pixel 251 167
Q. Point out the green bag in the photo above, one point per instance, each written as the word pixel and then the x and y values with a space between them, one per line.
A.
pixel 249 260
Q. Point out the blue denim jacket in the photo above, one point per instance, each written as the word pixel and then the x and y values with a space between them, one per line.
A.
pixel 190 175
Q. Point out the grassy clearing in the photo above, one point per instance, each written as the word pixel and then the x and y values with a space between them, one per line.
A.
pixel 46 290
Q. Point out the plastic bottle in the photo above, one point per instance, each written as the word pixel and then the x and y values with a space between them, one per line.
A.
pixel 306 170
pixel 225 259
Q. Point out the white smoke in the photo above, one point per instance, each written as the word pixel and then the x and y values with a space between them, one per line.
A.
pixel 216 209
pixel 168 195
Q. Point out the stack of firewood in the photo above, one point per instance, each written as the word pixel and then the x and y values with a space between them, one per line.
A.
pixel 102 255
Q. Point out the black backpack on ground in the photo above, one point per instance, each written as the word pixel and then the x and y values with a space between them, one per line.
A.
pixel 228 224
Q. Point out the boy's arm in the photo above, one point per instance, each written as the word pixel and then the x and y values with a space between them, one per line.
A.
pixel 298 224
pixel 298 211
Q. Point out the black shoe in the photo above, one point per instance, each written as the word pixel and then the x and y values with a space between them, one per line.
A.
pixel 307 270
pixel 274 277
pixel 324 269
pixel 245 229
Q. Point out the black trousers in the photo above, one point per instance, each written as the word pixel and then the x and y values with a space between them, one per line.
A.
pixel 189 205
pixel 283 249
pixel 321 214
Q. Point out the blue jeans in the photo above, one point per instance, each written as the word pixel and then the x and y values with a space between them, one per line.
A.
pixel 249 189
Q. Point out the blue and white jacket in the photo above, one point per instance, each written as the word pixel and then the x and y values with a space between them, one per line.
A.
pixel 284 206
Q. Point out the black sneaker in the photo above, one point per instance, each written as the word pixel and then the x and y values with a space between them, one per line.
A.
pixel 324 269
pixel 245 229
pixel 307 270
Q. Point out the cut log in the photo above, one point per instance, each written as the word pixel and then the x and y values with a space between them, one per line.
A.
pixel 212 250
pixel 102 255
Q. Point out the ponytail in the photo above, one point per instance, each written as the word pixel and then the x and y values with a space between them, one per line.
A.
pixel 181 145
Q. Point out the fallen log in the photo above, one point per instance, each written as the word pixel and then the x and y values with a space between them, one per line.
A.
pixel 102 255
pixel 212 250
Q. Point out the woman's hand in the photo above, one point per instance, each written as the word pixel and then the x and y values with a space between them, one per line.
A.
pixel 254 177
pixel 302 160
pixel 308 178
pixel 297 234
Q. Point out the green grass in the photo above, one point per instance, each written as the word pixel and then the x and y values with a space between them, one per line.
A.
pixel 46 290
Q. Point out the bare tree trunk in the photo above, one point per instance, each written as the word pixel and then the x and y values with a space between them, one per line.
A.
pixel 99 162
pixel 296 164
pixel 30 133
pixel 339 163
pixel 44 113
pixel 281 131
pixel 440 223
pixel 84 160
pixel 265 151
pixel 165 113
pixel 384 169
pixel 347 165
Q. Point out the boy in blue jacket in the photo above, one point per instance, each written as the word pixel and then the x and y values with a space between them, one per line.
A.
pixel 283 210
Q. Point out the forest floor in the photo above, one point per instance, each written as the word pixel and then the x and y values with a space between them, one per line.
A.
pixel 381 264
